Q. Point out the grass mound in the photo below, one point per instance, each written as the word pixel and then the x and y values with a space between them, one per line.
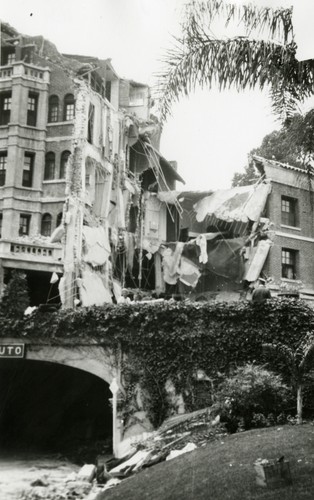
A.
pixel 224 469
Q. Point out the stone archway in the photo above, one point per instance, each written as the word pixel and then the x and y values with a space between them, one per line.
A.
pixel 89 358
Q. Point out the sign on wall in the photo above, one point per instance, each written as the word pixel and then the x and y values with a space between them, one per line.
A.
pixel 12 351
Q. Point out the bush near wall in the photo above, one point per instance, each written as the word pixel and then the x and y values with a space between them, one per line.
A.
pixel 170 341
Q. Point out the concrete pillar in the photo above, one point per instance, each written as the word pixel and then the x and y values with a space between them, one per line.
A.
pixel 116 423
pixel 72 248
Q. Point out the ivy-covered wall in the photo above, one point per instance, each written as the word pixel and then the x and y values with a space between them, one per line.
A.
pixel 170 341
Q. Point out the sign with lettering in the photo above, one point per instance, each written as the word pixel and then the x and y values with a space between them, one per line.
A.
pixel 12 351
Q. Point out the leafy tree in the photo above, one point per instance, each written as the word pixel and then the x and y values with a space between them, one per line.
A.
pixel 249 391
pixel 264 56
pixel 292 144
pixel 278 146
pixel 15 297
pixel 249 176
pixel 298 362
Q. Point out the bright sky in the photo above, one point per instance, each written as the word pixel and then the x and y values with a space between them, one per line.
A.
pixel 209 134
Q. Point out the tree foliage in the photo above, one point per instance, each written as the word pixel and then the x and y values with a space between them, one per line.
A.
pixel 15 298
pixel 264 56
pixel 249 391
pixel 247 177
pixel 293 144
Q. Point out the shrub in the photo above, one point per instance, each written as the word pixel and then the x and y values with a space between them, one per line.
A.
pixel 250 395
pixel 15 297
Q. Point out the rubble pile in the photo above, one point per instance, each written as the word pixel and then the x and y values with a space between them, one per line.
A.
pixel 198 428
pixel 177 435
pixel 77 486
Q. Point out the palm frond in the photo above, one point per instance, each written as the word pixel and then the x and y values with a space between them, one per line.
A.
pixel 200 59
pixel 273 23
pixel 308 356
pixel 238 62
pixel 285 101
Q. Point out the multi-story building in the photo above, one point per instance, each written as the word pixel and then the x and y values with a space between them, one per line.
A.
pixel 290 208
pixel 235 236
pixel 77 149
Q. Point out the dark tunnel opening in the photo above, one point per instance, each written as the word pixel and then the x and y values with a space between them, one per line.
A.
pixel 47 407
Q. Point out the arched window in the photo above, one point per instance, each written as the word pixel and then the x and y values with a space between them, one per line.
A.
pixel 46 225
pixel 59 219
pixel 63 163
pixel 50 166
pixel 69 107
pixel 53 112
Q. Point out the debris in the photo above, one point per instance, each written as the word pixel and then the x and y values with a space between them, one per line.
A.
pixel 102 476
pixel 71 477
pixel 186 449
pixel 273 473
pixel 113 482
pixel 179 434
pixel 40 482
pixel 132 462
pixel 87 473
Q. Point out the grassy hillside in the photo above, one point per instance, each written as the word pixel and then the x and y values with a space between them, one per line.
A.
pixel 224 469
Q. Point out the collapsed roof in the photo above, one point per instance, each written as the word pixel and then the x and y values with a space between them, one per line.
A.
pixel 240 204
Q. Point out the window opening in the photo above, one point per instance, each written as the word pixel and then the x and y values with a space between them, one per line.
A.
pixel 24 224
pixel 11 58
pixel 289 211
pixel 28 167
pixel 69 107
pixel 50 166
pixel 288 263
pixel 90 127
pixel 53 113
pixel 46 225
pixel 108 91
pixel 5 107
pixel 63 163
pixel 32 103
pixel 3 167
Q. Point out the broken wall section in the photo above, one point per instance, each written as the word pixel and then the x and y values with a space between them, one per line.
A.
pixel 224 242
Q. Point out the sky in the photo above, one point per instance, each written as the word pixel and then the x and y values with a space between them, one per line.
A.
pixel 210 133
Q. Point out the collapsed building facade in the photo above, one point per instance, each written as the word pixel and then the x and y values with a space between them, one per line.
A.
pixel 229 239
pixel 88 204
pixel 79 155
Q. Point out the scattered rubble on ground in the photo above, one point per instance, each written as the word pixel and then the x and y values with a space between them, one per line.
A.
pixel 177 435
pixel 77 485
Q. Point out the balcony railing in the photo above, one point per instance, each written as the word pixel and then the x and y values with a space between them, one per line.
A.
pixel 6 72
pixel 29 251
pixel 29 71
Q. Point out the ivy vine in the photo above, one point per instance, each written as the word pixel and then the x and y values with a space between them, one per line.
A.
pixel 171 341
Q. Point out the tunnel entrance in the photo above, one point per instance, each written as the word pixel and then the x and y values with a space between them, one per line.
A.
pixel 48 407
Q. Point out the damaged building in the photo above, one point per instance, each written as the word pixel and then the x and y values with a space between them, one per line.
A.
pixel 228 239
pixel 290 210
pixel 88 204
pixel 79 167
pixel 222 242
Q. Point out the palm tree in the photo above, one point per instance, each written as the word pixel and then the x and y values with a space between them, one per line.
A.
pixel 264 56
pixel 299 362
